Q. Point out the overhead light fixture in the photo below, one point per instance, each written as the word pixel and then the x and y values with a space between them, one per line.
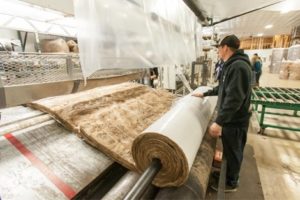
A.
pixel 260 34
pixel 268 26
pixel 29 11
pixel 207 31
pixel 285 11
pixel 19 15
pixel 287 6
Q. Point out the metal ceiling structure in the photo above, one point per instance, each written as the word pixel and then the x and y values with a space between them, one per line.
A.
pixel 283 16
pixel 65 6
pixel 33 16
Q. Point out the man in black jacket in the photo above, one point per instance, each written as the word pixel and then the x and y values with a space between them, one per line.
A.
pixel 153 75
pixel 232 121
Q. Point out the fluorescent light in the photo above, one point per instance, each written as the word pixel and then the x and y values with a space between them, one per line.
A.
pixel 57 30
pixel 21 24
pixel 40 26
pixel 19 15
pixel 66 21
pixel 268 26
pixel 285 11
pixel 207 31
pixel 260 34
pixel 29 11
pixel 287 7
pixel 4 19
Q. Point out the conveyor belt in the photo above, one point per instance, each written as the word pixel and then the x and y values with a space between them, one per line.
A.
pixel 285 99
pixel 42 160
pixel 39 159
pixel 47 162
pixel 276 95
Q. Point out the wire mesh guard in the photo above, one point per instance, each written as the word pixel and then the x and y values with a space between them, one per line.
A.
pixel 37 68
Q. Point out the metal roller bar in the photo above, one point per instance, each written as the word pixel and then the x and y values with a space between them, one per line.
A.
pixel 273 97
pixel 266 91
pixel 262 95
pixel 293 90
pixel 280 96
pixel 285 91
pixel 289 96
pixel 296 97
pixel 255 96
pixel 144 181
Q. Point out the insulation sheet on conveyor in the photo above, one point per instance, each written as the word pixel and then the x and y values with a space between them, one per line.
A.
pixel 120 118
pixel 111 117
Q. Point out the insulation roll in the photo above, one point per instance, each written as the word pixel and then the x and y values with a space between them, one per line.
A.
pixel 175 139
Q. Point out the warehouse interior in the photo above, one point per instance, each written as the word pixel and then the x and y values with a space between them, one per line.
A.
pixel 97 98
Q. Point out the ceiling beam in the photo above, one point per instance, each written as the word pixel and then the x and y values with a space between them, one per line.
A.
pixel 196 10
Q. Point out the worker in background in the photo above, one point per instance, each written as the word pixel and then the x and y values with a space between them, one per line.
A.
pixel 153 75
pixel 257 67
pixel 232 121
pixel 218 70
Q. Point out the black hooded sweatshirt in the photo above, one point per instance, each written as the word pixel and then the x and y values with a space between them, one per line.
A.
pixel 234 92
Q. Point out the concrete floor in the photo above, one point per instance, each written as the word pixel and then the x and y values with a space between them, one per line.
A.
pixel 271 166
pixel 277 153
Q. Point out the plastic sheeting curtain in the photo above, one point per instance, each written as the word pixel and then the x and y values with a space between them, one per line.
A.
pixel 124 34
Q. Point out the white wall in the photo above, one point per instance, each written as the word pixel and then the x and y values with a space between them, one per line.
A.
pixel 65 6
pixel 8 34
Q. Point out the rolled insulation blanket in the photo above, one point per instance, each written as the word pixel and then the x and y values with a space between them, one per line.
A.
pixel 175 139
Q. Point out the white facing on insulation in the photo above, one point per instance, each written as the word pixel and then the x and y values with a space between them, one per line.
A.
pixel 122 34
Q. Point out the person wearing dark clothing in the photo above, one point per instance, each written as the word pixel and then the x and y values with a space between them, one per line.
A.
pixel 256 67
pixel 218 69
pixel 153 75
pixel 234 93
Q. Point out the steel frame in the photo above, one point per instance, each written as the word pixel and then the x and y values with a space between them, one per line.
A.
pixel 275 98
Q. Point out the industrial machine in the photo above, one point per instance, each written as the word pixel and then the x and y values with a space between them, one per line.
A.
pixel 268 99
pixel 25 77
pixel 41 159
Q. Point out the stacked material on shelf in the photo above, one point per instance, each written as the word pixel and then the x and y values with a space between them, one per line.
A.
pixel 284 70
pixel 294 70
pixel 290 70
pixel 55 46
pixel 278 55
pixel 294 52
pixel 295 35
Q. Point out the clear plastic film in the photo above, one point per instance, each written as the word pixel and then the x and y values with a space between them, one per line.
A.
pixel 124 34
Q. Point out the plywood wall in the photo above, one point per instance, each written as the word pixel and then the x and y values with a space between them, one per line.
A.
pixel 277 41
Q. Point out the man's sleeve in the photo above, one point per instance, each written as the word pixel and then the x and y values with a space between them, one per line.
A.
pixel 155 69
pixel 212 92
pixel 235 94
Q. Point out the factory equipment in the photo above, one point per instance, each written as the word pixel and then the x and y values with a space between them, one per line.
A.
pixel 176 79
pixel 284 99
pixel 41 159
pixel 25 77
pixel 201 71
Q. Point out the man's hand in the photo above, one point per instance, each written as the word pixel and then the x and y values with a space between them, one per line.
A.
pixel 198 94
pixel 153 77
pixel 215 130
